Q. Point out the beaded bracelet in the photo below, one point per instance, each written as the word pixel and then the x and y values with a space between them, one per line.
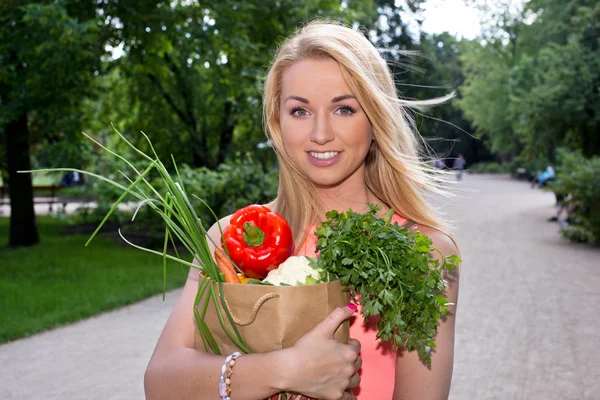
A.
pixel 226 372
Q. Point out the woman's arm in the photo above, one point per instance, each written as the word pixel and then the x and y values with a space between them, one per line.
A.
pixel 317 364
pixel 178 371
pixel 414 380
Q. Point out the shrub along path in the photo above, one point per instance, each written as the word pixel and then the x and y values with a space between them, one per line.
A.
pixel 526 328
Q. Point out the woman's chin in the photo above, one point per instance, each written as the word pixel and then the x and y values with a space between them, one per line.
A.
pixel 327 182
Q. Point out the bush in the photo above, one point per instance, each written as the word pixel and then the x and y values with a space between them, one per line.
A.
pixel 232 185
pixel 580 177
pixel 241 181
pixel 528 169
pixel 577 234
pixel 490 168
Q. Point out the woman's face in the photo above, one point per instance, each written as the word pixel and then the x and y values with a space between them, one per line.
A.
pixel 324 129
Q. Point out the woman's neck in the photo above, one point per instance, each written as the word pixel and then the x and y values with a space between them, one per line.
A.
pixel 347 196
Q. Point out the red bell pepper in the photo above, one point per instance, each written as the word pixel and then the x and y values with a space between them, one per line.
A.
pixel 258 240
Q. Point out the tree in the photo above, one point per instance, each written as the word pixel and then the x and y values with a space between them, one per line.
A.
pixel 555 84
pixel 193 69
pixel 533 84
pixel 444 126
pixel 48 55
pixel 190 76
pixel 485 96
pixel 425 67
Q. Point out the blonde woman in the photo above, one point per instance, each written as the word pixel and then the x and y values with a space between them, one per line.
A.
pixel 343 141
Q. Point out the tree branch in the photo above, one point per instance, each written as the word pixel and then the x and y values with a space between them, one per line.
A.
pixel 168 98
pixel 185 92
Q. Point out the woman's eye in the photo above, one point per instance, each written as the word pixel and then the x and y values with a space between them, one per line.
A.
pixel 299 112
pixel 345 110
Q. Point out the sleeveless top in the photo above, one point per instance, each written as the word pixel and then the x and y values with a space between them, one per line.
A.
pixel 378 371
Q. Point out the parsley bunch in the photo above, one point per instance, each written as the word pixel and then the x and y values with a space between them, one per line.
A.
pixel 393 272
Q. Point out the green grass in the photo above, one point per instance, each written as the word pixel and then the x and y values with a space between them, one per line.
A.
pixel 61 281
pixel 40 179
pixel 45 180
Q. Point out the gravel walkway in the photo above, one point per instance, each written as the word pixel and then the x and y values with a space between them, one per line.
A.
pixel 527 327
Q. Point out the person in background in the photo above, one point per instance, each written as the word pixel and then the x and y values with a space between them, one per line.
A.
pixel 459 166
pixel 437 163
pixel 71 179
pixel 543 178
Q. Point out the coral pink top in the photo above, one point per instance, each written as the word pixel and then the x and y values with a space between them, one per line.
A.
pixel 378 372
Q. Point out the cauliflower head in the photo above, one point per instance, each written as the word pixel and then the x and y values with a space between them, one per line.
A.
pixel 296 270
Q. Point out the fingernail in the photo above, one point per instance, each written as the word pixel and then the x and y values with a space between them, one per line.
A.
pixel 352 307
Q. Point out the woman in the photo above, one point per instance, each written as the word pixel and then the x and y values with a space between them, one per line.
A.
pixel 343 141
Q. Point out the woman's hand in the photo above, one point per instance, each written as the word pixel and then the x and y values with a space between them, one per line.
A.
pixel 320 367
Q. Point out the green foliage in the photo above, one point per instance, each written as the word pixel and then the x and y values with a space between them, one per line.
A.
pixel 424 69
pixel 438 72
pixel 240 181
pixel 529 166
pixel 49 54
pixel 169 200
pixel 580 177
pixel 191 71
pixel 491 168
pixel 393 272
pixel 485 94
pixel 551 98
pixel 533 85
pixel 62 281
pixel 231 186
pixel 577 234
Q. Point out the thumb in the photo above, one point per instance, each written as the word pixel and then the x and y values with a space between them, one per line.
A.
pixel 330 324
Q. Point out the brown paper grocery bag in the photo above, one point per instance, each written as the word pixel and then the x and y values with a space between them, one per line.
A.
pixel 273 317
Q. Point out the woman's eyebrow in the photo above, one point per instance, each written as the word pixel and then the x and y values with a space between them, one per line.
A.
pixel 341 98
pixel 334 100
pixel 300 99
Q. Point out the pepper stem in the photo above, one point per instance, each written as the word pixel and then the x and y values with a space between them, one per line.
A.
pixel 253 235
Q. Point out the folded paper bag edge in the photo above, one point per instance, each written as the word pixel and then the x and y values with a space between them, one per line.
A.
pixel 279 321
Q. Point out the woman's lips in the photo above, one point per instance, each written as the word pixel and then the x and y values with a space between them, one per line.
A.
pixel 323 158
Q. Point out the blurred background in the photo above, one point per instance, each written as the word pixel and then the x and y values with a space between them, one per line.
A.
pixel 189 74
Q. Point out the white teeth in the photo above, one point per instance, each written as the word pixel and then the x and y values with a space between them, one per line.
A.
pixel 324 156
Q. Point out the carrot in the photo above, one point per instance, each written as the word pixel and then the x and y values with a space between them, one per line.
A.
pixel 243 279
pixel 226 267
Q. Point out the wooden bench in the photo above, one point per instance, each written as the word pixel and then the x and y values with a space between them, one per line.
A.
pixel 51 200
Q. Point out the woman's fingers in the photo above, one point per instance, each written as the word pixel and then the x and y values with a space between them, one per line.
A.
pixel 354 381
pixel 329 325
pixel 355 344
pixel 357 363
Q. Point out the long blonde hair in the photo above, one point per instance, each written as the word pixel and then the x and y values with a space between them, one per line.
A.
pixel 394 171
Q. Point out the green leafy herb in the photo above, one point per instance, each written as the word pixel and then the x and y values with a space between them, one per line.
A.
pixel 392 271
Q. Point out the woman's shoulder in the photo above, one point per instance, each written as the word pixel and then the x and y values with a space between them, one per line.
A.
pixel 440 239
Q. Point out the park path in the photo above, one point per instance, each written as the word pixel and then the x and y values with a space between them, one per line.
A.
pixel 527 324
pixel 527 321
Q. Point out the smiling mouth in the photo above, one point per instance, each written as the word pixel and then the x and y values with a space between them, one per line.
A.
pixel 324 156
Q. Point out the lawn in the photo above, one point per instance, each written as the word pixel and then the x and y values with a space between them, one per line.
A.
pixel 40 179
pixel 61 281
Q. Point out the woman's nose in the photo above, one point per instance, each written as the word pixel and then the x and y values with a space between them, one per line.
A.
pixel 322 130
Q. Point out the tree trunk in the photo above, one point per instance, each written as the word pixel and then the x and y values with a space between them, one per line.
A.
pixel 226 137
pixel 23 229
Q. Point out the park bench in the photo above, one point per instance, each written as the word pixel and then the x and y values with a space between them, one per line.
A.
pixel 48 195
